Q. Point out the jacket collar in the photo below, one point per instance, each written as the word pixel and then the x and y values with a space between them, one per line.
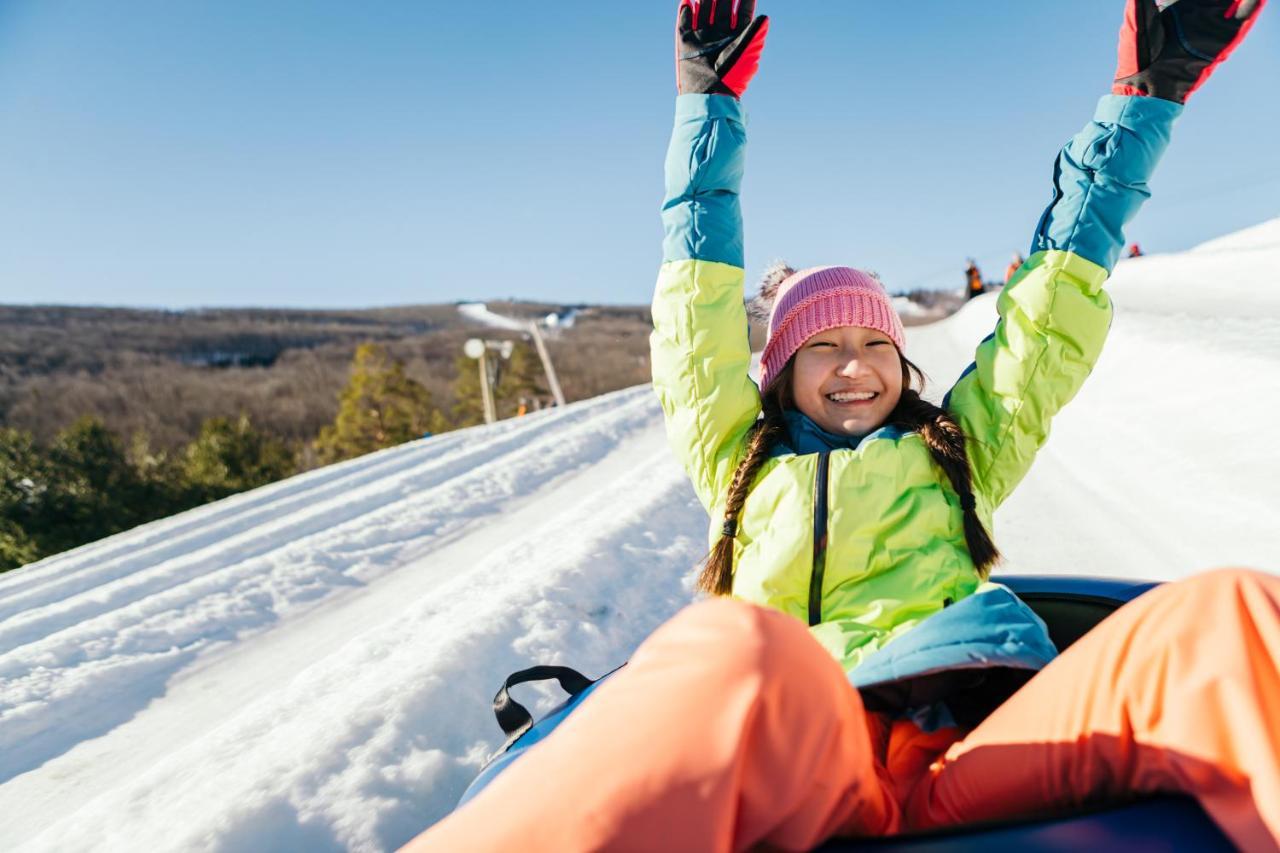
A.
pixel 805 436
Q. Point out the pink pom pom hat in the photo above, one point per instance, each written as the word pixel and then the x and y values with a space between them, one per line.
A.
pixel 819 298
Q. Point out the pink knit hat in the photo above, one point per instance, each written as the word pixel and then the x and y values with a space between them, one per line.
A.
pixel 820 298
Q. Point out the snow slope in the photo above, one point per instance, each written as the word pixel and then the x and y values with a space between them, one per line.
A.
pixel 309 665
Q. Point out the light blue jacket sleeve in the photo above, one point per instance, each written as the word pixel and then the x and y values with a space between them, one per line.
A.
pixel 699 347
pixel 700 213
pixel 1054 314
pixel 1100 177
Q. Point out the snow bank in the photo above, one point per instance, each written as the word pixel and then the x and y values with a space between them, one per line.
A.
pixel 1233 278
pixel 908 309
pixel 480 313
pixel 1264 236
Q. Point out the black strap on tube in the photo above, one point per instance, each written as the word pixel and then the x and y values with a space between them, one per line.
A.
pixel 513 717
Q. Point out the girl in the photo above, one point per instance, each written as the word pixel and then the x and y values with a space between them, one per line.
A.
pixel 846 677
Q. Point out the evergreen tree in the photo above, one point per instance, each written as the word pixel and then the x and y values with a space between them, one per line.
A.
pixel 22 482
pixel 229 457
pixel 380 407
pixel 523 377
pixel 84 486
pixel 468 406
pixel 81 489
pixel 163 488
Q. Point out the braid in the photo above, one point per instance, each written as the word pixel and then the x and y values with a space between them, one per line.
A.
pixel 945 440
pixel 717 572
pixel 716 576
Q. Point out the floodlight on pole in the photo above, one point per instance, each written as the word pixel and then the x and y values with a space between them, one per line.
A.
pixel 478 349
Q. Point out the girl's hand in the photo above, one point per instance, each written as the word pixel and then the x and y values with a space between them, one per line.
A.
pixel 1168 48
pixel 718 46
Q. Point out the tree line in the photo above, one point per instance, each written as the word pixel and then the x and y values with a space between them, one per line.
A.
pixel 87 481
pixel 165 373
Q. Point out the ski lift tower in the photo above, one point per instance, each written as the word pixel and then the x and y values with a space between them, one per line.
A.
pixel 547 368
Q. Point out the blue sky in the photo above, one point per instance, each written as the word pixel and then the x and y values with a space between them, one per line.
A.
pixel 322 153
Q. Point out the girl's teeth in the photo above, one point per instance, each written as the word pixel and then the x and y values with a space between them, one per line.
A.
pixel 848 398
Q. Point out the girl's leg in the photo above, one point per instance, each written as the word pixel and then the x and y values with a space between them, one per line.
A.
pixel 1177 691
pixel 730 727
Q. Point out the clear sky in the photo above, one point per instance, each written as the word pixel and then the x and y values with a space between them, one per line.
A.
pixel 326 153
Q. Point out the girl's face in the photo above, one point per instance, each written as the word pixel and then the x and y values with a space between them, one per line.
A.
pixel 847 380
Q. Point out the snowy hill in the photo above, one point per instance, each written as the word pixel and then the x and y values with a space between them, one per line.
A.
pixel 310 665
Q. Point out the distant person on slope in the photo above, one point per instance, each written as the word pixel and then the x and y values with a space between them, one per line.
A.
pixel 1135 251
pixel 1014 265
pixel 973 285
pixel 855 673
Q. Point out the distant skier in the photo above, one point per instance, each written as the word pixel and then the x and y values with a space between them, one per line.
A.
pixel 841 680
pixel 1135 251
pixel 1013 267
pixel 973 280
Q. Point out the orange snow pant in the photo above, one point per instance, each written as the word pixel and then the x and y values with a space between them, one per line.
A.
pixel 731 728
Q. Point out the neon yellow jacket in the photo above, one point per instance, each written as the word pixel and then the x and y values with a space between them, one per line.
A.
pixel 896 550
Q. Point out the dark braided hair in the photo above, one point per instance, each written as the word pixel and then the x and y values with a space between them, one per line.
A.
pixel 717 572
pixel 945 440
pixel 941 434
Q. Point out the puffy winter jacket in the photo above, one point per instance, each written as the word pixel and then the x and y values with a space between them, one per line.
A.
pixel 895 549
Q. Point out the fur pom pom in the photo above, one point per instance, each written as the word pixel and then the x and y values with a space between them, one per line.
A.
pixel 762 304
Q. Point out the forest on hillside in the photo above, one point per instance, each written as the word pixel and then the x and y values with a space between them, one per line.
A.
pixel 113 417
pixel 163 373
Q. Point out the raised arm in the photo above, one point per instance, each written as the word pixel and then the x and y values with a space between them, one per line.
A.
pixel 699 345
pixel 1054 315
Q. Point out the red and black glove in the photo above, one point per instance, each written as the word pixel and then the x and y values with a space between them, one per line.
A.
pixel 1168 48
pixel 718 46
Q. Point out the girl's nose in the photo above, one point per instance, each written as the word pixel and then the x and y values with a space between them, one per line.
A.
pixel 851 366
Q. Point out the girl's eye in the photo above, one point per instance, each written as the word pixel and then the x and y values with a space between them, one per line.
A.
pixel 821 344
pixel 878 343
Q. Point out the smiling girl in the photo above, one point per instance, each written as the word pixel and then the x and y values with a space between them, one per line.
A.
pixel 854 672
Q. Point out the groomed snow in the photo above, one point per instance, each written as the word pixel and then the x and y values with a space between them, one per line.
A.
pixel 310 665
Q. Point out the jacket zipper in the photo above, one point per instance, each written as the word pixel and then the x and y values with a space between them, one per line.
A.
pixel 819 539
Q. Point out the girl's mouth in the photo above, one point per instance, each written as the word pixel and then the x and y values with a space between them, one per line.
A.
pixel 853 398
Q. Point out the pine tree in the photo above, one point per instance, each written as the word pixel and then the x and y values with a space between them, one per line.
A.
pixel 468 407
pixel 91 490
pixel 380 407
pixel 229 457
pixel 22 481
pixel 523 378
pixel 163 486
pixel 84 486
